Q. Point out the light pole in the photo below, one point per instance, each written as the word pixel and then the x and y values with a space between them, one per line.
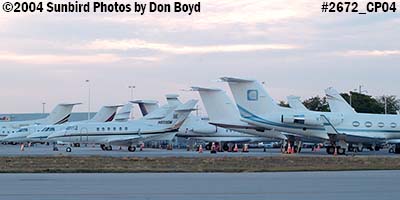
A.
pixel 360 89
pixel 351 103
pixel 43 107
pixel 132 87
pixel 385 98
pixel 88 84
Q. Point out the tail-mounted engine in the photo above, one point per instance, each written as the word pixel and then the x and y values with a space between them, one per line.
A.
pixel 313 120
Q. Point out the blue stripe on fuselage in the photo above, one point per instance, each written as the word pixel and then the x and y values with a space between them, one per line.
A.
pixel 248 115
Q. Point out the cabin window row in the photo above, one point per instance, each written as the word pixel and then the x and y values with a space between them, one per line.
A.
pixel 112 128
pixel 369 124
pixel 8 131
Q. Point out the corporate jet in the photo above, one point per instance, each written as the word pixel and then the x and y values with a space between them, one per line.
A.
pixel 59 115
pixel 198 128
pixel 224 113
pixel 128 133
pixel 370 130
pixel 256 107
pixel 123 115
pixel 38 133
pixel 339 129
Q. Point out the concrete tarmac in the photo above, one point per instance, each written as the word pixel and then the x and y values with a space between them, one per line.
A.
pixel 90 150
pixel 354 185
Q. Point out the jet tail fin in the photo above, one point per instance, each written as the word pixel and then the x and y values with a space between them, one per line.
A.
pixel 295 103
pixel 179 115
pixel 146 106
pixel 336 102
pixel 220 108
pixel 105 114
pixel 173 99
pixel 251 96
pixel 172 103
pixel 124 113
pixel 60 114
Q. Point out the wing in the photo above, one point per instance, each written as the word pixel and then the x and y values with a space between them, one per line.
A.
pixel 136 139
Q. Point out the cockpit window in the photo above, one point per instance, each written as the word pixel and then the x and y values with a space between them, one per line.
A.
pixel 23 130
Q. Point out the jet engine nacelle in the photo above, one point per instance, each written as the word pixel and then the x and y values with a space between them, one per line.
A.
pixel 205 130
pixel 313 120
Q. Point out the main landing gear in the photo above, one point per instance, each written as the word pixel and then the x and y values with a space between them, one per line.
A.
pixel 395 149
pixel 106 147
pixel 335 150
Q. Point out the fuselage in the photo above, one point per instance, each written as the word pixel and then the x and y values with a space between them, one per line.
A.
pixel 104 132
pixel 377 126
pixel 273 121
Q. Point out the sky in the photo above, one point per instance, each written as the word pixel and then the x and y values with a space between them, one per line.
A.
pixel 290 45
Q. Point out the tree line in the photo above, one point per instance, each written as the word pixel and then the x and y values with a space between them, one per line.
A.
pixel 361 103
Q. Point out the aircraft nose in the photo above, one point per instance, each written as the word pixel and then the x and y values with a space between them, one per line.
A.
pixel 54 135
pixel 9 138
pixel 51 136
pixel 32 136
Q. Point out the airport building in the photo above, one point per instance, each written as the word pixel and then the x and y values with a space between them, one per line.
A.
pixel 77 116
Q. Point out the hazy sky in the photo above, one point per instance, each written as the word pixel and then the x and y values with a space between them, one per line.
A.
pixel 289 44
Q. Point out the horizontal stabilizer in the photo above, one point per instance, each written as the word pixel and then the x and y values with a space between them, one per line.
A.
pixel 173 100
pixel 205 89
pixel 238 80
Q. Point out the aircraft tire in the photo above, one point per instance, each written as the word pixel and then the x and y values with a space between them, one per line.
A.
pixel 351 149
pixel 68 149
pixel 225 147
pixel 330 150
pixel 132 148
pixel 108 148
pixel 341 151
